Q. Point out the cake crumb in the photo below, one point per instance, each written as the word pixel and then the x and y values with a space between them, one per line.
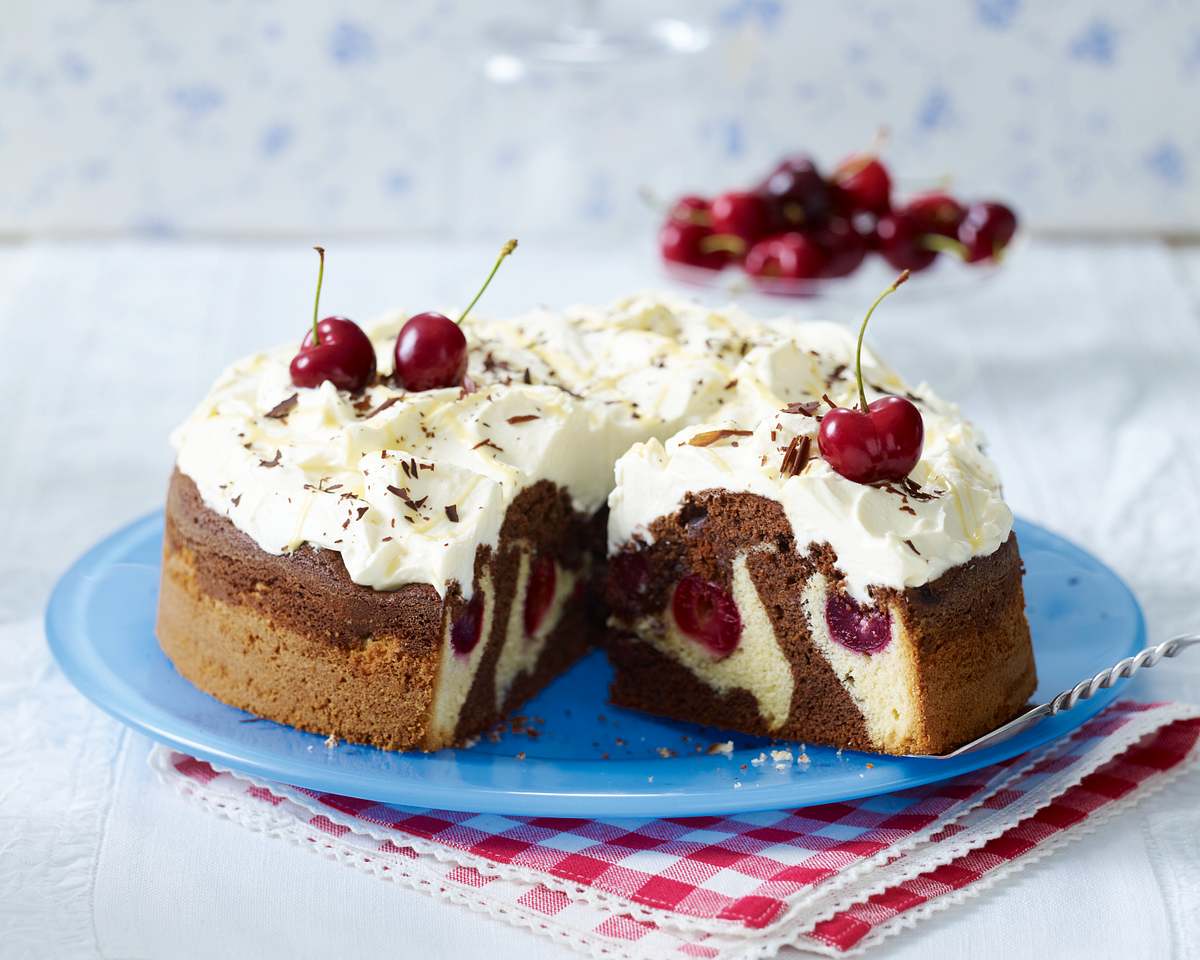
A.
pixel 330 742
pixel 724 749
pixel 521 755
pixel 759 760
pixel 870 766
pixel 665 752
pixel 737 784
pixel 781 756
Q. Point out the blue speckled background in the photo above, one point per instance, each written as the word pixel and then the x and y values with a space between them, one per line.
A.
pixel 377 118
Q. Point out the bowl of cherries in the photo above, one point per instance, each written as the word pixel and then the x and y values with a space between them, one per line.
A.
pixel 799 232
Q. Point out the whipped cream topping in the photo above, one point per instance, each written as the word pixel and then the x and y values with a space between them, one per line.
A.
pixel 891 535
pixel 407 486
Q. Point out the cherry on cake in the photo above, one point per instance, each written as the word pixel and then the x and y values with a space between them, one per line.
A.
pixel 398 546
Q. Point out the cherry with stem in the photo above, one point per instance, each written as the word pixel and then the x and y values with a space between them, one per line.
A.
pixel 333 349
pixel 879 441
pixel 431 349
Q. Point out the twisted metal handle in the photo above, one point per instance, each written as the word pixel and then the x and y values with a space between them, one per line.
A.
pixel 1086 689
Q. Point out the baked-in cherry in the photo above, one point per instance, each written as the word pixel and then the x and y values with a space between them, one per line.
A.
pixel 936 213
pixel 903 242
pixel 789 256
pixel 333 349
pixel 539 593
pixel 798 193
pixel 431 349
pixel 467 628
pixel 863 185
pixel 844 247
pixel 879 441
pixel 861 629
pixel 692 245
pixel 707 614
pixel 741 214
pixel 986 230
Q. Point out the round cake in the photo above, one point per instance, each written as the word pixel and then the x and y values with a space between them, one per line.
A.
pixel 403 567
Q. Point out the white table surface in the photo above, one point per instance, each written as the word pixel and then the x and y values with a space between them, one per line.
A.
pixel 1082 363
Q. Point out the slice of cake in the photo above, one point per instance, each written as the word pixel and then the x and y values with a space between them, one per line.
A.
pixel 754 585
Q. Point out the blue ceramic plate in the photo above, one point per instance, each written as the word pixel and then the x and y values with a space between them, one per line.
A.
pixel 588 759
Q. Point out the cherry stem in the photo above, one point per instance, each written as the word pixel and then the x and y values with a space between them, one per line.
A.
pixel 317 298
pixel 727 242
pixel 862 394
pixel 505 250
pixel 943 244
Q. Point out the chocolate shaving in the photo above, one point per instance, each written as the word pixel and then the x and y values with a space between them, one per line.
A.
pixel 361 512
pixel 487 443
pixel 832 405
pixel 271 463
pixel 526 378
pixel 913 548
pixel 401 492
pixel 362 404
pixel 707 438
pixel 523 418
pixel 236 500
pixel 796 457
pixel 837 372
pixel 283 408
pixel 389 402
pixel 731 384
pixel 452 513
pixel 806 408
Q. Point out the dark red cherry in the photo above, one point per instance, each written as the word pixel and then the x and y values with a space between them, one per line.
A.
pixel 707 614
pixel 741 214
pixel 467 629
pixel 937 213
pixel 689 244
pixel 844 248
pixel 691 209
pixel 333 349
pixel 884 443
pixel 789 256
pixel 861 629
pixel 539 593
pixel 900 240
pixel 344 356
pixel 863 185
pixel 431 349
pixel 798 192
pixel 431 352
pixel 986 230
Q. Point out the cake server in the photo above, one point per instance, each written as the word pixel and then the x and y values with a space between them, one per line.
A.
pixel 1066 700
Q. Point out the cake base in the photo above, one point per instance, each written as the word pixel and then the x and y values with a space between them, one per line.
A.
pixel 292 639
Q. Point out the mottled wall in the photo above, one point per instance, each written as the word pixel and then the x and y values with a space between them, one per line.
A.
pixel 378 117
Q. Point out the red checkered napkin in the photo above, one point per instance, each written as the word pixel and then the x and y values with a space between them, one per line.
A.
pixel 832 879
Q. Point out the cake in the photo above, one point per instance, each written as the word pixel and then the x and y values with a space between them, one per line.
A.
pixel 404 567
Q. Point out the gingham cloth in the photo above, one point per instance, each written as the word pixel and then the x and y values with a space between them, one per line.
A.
pixel 832 879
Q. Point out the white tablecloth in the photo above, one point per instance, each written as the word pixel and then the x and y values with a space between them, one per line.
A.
pixel 1082 362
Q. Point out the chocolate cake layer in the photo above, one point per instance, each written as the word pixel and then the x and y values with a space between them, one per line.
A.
pixel 293 639
pixel 966 648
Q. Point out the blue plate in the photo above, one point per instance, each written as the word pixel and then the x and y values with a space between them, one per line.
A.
pixel 589 759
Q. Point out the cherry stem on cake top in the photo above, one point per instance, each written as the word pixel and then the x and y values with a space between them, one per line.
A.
pixel 862 330
pixel 316 334
pixel 505 250
pixel 880 441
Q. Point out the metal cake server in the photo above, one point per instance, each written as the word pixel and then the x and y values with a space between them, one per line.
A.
pixel 1064 701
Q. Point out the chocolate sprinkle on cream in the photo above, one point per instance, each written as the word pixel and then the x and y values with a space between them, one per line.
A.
pixel 452 512
pixel 805 408
pixel 524 418
pixel 268 464
pixel 796 457
pixel 707 438
pixel 283 408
